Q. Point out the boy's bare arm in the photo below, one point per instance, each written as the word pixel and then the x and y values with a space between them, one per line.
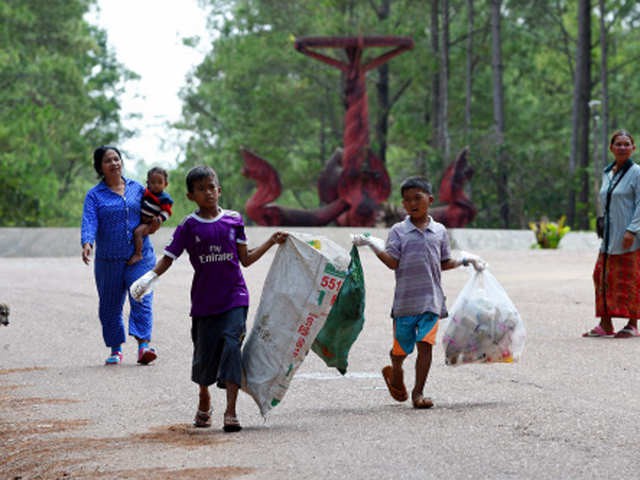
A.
pixel 249 256
pixel 449 264
pixel 466 259
pixel 163 265
pixel 388 260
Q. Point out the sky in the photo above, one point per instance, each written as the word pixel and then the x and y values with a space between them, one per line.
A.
pixel 147 38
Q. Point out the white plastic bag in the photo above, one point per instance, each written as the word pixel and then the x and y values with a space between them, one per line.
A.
pixel 302 284
pixel 484 325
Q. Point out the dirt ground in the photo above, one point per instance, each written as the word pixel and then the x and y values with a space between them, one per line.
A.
pixel 566 410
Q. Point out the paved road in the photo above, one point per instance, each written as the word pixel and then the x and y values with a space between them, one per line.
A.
pixel 569 409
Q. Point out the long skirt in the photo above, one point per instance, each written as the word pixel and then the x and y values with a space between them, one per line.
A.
pixel 617 285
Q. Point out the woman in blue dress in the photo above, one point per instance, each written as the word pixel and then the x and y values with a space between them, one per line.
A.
pixel 110 215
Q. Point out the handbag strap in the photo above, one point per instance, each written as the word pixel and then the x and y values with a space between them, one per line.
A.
pixel 612 185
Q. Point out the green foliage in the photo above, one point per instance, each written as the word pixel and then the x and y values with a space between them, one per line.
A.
pixel 548 234
pixel 59 96
pixel 255 90
pixel 60 88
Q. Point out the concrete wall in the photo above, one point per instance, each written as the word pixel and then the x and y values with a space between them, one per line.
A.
pixel 65 242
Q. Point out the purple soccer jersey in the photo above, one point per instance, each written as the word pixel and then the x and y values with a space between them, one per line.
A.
pixel 218 284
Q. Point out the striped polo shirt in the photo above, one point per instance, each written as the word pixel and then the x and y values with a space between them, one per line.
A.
pixel 418 276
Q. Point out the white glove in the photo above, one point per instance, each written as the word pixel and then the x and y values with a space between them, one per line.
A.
pixel 143 285
pixel 374 243
pixel 476 261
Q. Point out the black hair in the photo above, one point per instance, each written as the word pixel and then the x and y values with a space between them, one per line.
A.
pixel 159 170
pixel 198 173
pixel 620 133
pixel 420 183
pixel 98 154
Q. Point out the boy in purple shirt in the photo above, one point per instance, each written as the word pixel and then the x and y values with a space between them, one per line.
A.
pixel 216 243
pixel 417 249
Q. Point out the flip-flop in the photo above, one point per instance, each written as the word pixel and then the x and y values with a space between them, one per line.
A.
pixel 398 394
pixel 231 424
pixel 421 402
pixel 627 332
pixel 202 419
pixel 598 332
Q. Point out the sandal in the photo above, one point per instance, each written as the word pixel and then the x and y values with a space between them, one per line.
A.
pixel 231 423
pixel 202 419
pixel 598 332
pixel 420 402
pixel 629 331
pixel 146 355
pixel 114 359
pixel 398 394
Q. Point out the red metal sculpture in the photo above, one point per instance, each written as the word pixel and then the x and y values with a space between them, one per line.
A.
pixel 455 209
pixel 363 183
pixel 354 183
pixel 260 209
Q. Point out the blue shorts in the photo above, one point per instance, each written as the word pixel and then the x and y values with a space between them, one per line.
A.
pixel 217 340
pixel 409 330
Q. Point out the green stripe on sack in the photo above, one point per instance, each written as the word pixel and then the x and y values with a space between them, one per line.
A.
pixel 330 269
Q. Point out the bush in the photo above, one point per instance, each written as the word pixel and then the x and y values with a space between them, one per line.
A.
pixel 548 234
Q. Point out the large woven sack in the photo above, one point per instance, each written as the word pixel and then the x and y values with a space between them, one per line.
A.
pixel 302 285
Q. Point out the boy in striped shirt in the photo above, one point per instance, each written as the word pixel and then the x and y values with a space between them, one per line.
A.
pixel 417 249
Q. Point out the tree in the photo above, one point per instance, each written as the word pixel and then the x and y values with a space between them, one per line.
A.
pixel 59 90
pixel 468 91
pixel 502 168
pixel 385 100
pixel 600 161
pixel 445 139
pixel 577 216
pixel 436 78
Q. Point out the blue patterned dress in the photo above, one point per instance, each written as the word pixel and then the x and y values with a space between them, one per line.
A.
pixel 108 221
